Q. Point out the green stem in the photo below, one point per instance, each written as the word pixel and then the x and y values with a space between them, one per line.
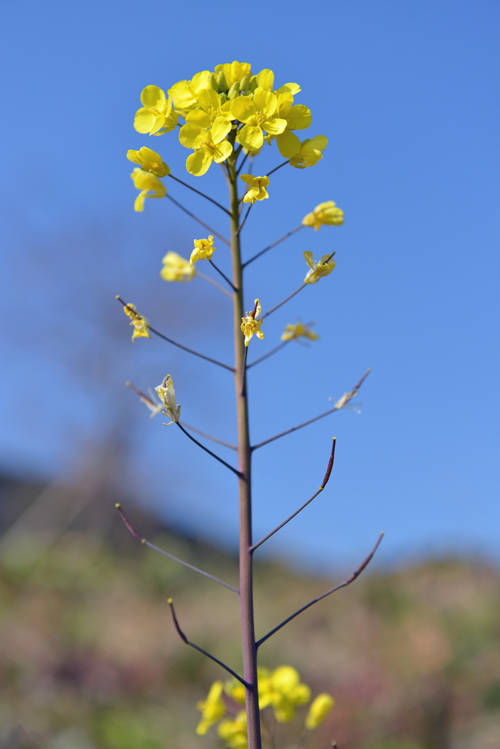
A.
pixel 244 465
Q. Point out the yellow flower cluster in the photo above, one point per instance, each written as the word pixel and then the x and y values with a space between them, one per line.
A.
pixel 176 268
pixel 281 690
pixel 324 213
pixel 203 250
pixel 226 107
pixel 298 331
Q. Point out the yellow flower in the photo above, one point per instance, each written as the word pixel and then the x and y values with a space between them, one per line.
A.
pixel 210 107
pixel 208 144
pixel 212 709
pixel 203 249
pixel 298 117
pixel 141 326
pixel 184 94
pixel 149 161
pixel 311 151
pixel 284 691
pixel 257 114
pixel 156 116
pixel 146 183
pixel 166 394
pixel 234 71
pixel 176 268
pixel 250 325
pixel 257 187
pixel 295 332
pixel 320 707
pixel 234 732
pixel 318 269
pixel 324 213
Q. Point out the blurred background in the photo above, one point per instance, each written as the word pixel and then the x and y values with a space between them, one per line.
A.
pixel 406 95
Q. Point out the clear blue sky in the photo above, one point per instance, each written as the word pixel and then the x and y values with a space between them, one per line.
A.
pixel 407 94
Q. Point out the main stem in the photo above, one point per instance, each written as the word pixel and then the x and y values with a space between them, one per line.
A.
pixel 245 487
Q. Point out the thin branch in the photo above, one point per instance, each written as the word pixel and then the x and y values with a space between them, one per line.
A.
pixel 347 582
pixel 269 353
pixel 337 407
pixel 285 300
pixel 325 481
pixel 201 193
pixel 134 533
pixel 275 168
pixel 270 247
pixel 226 279
pixel 179 345
pixel 200 650
pixel 214 283
pixel 231 468
pixel 209 436
pixel 243 162
pixel 212 231
pixel 240 228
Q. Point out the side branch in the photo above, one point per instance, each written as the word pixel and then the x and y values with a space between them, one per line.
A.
pixel 209 228
pixel 347 582
pixel 325 481
pixel 200 650
pixel 270 247
pixel 134 533
pixel 179 345
pixel 226 279
pixel 207 197
pixel 284 163
pixel 285 300
pixel 240 228
pixel 337 407
pixel 209 436
pixel 231 468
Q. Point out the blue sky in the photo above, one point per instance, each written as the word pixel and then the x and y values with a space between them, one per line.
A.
pixel 407 95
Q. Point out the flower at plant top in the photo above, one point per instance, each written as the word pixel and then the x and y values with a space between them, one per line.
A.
pixel 210 106
pixel 319 709
pixel 324 213
pixel 212 709
pixel 300 330
pixel 149 186
pixel 141 325
pixel 250 325
pixel 156 116
pixel 298 117
pixel 184 94
pixel 166 394
pixel 257 114
pixel 149 400
pixel 149 161
pixel 176 268
pixel 285 692
pixel 203 249
pixel 311 151
pixel 257 188
pixel 208 144
pixel 234 732
pixel 318 269
pixel 233 71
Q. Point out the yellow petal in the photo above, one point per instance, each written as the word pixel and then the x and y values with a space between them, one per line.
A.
pixel 265 102
pixel 191 135
pixel 199 117
pixel 251 137
pixel 288 144
pixel 274 126
pixel 265 79
pixel 299 117
pixel 220 129
pixel 224 150
pixel 198 163
pixel 152 96
pixel 208 99
pixel 243 108
pixel 144 120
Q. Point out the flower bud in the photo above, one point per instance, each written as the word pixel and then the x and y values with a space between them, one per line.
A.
pixel 223 98
pixel 245 82
pixel 234 91
pixel 221 80
pixel 214 83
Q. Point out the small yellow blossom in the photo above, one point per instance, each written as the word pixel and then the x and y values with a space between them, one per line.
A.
pixel 257 114
pixel 149 186
pixel 156 116
pixel 318 269
pixel 300 330
pixel 324 213
pixel 166 394
pixel 176 268
pixel 185 94
pixel 141 325
pixel 208 144
pixel 287 693
pixel 210 106
pixel 203 250
pixel 257 188
pixel 250 325
pixel 311 151
pixel 212 709
pixel 319 709
pixel 234 732
pixel 149 400
pixel 149 161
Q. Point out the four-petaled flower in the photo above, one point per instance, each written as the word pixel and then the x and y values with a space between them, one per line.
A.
pixel 149 186
pixel 319 709
pixel 324 213
pixel 318 269
pixel 157 115
pixel 208 144
pixel 257 188
pixel 166 394
pixel 149 161
pixel 311 151
pixel 176 268
pixel 141 325
pixel 250 325
pixel 300 330
pixel 212 709
pixel 203 249
pixel 257 114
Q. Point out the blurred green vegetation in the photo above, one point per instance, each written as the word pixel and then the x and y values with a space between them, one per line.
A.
pixel 90 659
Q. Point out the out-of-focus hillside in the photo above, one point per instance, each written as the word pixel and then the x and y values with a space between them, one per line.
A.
pixel 90 659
